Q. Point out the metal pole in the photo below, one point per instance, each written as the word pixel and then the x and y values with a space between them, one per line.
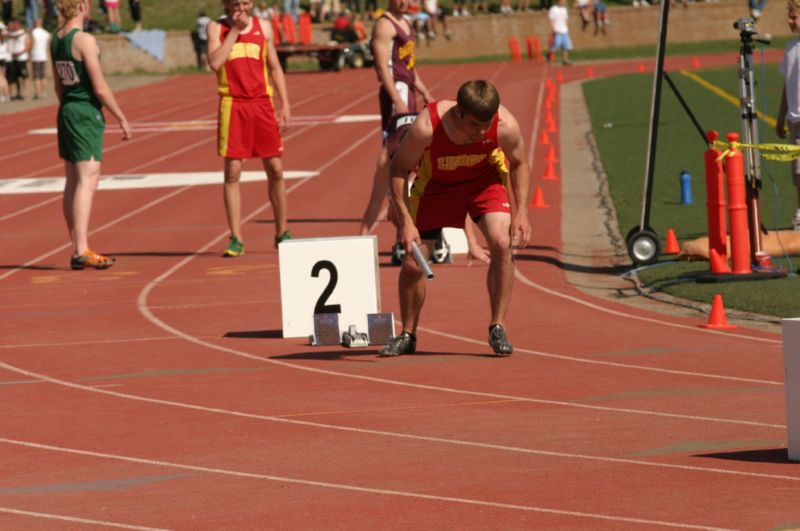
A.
pixel 655 106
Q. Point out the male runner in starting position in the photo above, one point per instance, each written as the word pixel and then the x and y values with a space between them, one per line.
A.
pixel 461 148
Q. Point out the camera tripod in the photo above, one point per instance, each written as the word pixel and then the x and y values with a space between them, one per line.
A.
pixel 749 118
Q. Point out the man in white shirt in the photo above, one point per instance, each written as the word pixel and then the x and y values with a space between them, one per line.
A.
pixel 558 16
pixel 41 42
pixel 19 44
pixel 789 111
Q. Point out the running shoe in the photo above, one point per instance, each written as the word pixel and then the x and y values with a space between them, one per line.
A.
pixel 498 340
pixel 91 259
pixel 284 236
pixel 235 247
pixel 405 343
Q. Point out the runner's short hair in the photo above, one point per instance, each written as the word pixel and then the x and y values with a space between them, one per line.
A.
pixel 480 99
pixel 793 5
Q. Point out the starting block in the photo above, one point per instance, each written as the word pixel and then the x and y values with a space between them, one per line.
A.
pixel 326 331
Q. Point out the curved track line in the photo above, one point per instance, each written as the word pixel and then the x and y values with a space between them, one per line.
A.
pixel 608 363
pixel 394 434
pixel 353 488
pixel 522 278
pixel 75 520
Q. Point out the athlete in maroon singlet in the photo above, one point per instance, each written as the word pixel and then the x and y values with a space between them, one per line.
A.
pixel 393 48
pixel 468 152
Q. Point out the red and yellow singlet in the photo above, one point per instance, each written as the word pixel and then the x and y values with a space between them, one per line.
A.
pixel 456 179
pixel 247 124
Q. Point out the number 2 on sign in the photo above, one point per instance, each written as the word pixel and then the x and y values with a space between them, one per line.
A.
pixel 333 278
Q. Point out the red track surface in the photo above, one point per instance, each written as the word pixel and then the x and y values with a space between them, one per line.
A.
pixel 160 394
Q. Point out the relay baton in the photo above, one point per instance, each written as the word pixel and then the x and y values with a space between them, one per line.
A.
pixel 426 267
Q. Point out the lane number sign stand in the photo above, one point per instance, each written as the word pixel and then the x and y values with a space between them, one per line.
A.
pixel 328 276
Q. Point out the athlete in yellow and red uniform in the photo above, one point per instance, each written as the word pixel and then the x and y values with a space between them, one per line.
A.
pixel 241 52
pixel 461 148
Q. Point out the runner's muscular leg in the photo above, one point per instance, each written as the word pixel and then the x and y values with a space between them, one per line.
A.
pixel 380 187
pixel 233 197
pixel 277 192
pixel 495 227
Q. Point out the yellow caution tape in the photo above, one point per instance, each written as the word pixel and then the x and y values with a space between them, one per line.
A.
pixel 784 152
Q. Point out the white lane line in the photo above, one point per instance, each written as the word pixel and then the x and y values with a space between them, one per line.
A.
pixel 76 520
pixel 525 280
pixel 111 223
pixel 130 181
pixel 402 435
pixel 179 126
pixel 352 488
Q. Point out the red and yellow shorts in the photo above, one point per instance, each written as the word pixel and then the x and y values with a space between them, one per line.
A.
pixel 446 205
pixel 248 129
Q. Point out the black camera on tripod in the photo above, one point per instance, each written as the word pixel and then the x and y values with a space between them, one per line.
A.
pixel 747 29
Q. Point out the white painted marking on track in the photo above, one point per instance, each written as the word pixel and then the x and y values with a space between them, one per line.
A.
pixel 32 185
pixel 352 488
pixel 76 520
pixel 211 125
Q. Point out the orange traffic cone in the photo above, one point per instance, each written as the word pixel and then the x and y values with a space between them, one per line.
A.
pixel 640 68
pixel 695 62
pixel 549 172
pixel 551 154
pixel 716 318
pixel 719 264
pixel 538 199
pixel 559 76
pixel 589 72
pixel 672 246
pixel 544 140
pixel 551 123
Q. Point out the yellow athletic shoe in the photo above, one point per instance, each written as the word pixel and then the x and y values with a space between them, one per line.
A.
pixel 235 247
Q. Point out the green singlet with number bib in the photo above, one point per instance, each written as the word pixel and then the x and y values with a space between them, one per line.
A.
pixel 80 120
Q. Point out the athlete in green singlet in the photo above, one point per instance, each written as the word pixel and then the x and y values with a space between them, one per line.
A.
pixel 82 92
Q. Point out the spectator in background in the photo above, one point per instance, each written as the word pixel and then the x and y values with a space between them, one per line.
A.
pixel 505 7
pixel 292 7
pixel 8 11
pixel 114 19
pixel 261 11
pixel 436 14
pixel 5 58
pixel 756 8
pixel 600 13
pixel 584 7
pixel 19 44
pixel 31 13
pixel 40 38
pixel 558 15
pixel 330 8
pixel 200 40
pixel 136 14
